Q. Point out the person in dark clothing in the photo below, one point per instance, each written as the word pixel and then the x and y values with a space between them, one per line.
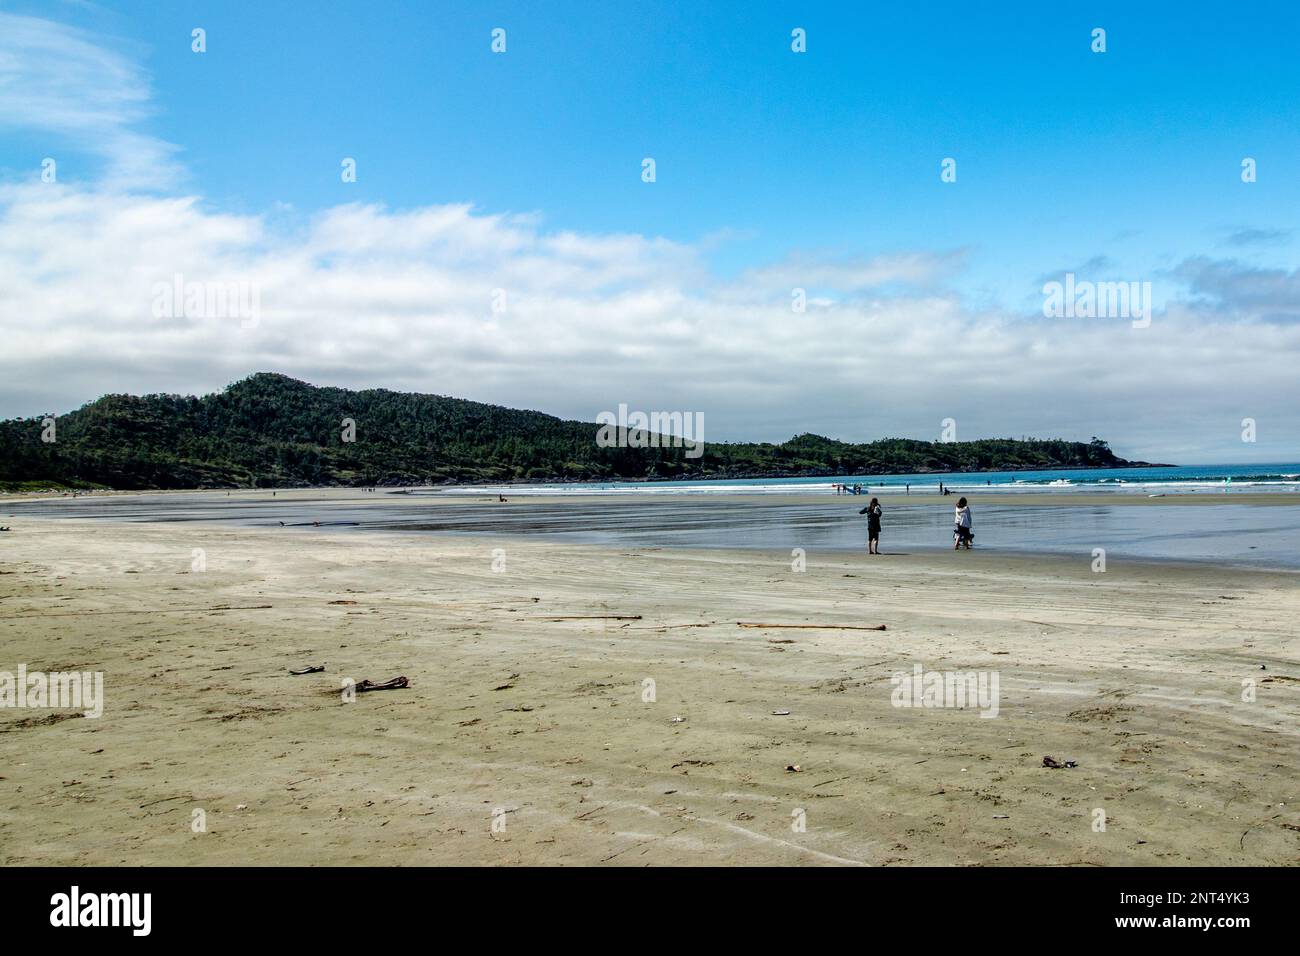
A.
pixel 872 511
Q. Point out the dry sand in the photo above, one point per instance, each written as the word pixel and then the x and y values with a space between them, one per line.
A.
pixel 1136 673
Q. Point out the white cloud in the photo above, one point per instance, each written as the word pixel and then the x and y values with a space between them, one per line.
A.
pixel 403 299
pixel 53 78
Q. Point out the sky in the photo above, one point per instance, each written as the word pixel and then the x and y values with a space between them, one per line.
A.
pixel 500 242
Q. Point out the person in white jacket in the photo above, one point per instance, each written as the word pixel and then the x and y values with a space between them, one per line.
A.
pixel 961 532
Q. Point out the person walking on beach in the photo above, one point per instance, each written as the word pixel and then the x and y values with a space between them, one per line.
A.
pixel 961 532
pixel 872 511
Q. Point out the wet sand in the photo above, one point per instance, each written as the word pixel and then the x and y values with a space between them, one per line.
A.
pixel 526 699
pixel 1216 529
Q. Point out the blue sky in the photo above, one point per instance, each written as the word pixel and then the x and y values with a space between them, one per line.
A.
pixel 1122 165
pixel 1060 150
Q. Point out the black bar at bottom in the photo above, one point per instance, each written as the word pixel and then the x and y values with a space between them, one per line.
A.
pixel 350 906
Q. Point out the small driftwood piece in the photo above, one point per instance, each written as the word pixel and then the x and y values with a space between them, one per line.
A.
pixel 820 627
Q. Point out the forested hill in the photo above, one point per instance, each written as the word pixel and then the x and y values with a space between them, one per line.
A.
pixel 271 430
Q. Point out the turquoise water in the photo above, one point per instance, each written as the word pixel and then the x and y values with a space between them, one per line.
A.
pixel 1150 481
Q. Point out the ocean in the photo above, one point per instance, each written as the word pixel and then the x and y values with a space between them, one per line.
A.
pixel 1164 480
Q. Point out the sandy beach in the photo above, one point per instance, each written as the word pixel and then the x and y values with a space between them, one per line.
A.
pixel 528 736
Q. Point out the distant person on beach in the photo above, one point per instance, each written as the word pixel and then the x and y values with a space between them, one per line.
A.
pixel 872 511
pixel 961 532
